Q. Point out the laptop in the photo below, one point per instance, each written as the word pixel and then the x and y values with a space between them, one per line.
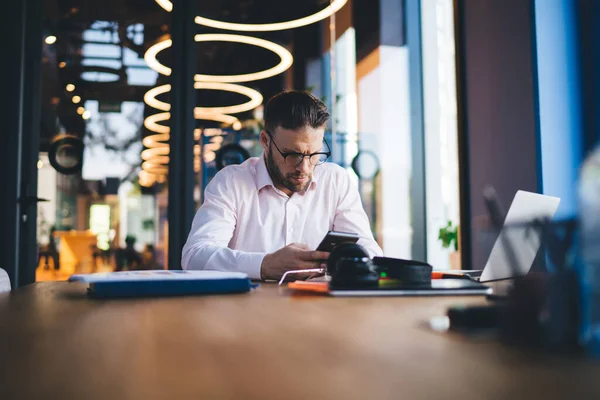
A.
pixel 516 247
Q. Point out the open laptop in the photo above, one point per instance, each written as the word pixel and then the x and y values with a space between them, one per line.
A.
pixel 516 247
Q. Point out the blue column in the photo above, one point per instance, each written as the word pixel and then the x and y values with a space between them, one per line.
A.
pixel 559 100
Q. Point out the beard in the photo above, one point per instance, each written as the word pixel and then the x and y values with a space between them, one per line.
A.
pixel 285 180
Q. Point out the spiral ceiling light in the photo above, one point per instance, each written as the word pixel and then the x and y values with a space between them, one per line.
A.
pixel 156 155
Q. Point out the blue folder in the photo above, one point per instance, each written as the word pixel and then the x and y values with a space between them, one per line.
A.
pixel 163 283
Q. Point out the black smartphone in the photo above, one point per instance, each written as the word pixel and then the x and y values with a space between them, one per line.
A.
pixel 333 238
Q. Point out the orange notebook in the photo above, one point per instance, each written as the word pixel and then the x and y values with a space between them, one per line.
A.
pixel 315 287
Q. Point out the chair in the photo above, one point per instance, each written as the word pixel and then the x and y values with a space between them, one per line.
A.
pixel 4 281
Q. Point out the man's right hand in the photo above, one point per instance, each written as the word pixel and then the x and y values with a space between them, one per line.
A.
pixel 291 257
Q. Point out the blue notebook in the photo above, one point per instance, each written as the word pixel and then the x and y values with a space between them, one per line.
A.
pixel 163 283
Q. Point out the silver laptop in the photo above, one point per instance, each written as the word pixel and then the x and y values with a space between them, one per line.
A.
pixel 522 242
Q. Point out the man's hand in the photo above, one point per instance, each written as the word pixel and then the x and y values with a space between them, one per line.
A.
pixel 291 257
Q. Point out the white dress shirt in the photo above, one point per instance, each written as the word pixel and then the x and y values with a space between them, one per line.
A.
pixel 244 217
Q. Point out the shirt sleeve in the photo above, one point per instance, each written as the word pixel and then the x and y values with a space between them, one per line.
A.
pixel 350 215
pixel 212 229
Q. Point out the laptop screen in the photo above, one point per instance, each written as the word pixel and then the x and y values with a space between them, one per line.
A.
pixel 523 242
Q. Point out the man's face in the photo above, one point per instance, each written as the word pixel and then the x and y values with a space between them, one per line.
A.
pixel 288 178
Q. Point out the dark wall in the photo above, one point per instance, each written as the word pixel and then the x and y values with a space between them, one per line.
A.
pixel 589 45
pixel 498 139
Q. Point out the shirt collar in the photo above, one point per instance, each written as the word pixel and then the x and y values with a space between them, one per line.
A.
pixel 264 179
pixel 262 175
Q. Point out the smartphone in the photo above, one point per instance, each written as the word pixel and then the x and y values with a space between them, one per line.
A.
pixel 333 238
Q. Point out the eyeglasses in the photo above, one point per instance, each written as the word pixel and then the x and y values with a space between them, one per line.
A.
pixel 293 159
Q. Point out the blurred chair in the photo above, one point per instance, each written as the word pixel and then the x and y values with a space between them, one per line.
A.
pixel 128 259
pixel 4 281
pixel 149 258
pixel 50 251
pixel 103 255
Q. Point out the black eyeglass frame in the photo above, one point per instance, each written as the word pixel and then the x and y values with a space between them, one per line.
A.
pixel 301 156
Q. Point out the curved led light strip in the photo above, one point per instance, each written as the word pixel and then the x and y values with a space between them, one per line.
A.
pixel 334 7
pixel 150 56
pixel 156 156
pixel 226 119
pixel 167 5
pixel 151 100
pixel 151 123
pixel 256 98
pixel 157 153
pixel 286 57
pixel 146 179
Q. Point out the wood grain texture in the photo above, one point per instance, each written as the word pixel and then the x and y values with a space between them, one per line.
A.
pixel 55 343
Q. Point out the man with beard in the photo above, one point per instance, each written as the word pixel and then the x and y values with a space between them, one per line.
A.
pixel 267 215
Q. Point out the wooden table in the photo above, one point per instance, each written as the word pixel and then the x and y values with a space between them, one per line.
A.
pixel 55 343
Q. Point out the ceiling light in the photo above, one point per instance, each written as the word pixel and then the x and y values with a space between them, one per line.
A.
pixel 76 99
pixel 151 153
pixel 152 123
pixel 150 56
pixel 166 4
pixel 62 64
pixel 334 7
pixel 155 169
pixel 255 98
pixel 80 110
pixel 146 179
pixel 226 119
pixel 209 156
pixel 86 115
pixel 151 100
pixel 286 58
pixel 156 156
pixel 151 141
pixel 328 11
pixel 50 39
pixel 70 87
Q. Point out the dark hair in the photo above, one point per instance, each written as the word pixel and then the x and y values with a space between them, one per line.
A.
pixel 295 109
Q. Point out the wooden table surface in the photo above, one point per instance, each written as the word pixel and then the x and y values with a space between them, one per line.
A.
pixel 55 343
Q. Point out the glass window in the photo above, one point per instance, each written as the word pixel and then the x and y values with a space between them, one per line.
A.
pixel 441 141
pixel 105 213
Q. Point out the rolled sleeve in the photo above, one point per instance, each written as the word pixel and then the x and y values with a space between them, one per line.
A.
pixel 350 215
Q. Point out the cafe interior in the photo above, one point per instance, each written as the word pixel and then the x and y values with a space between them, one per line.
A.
pixel 118 113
